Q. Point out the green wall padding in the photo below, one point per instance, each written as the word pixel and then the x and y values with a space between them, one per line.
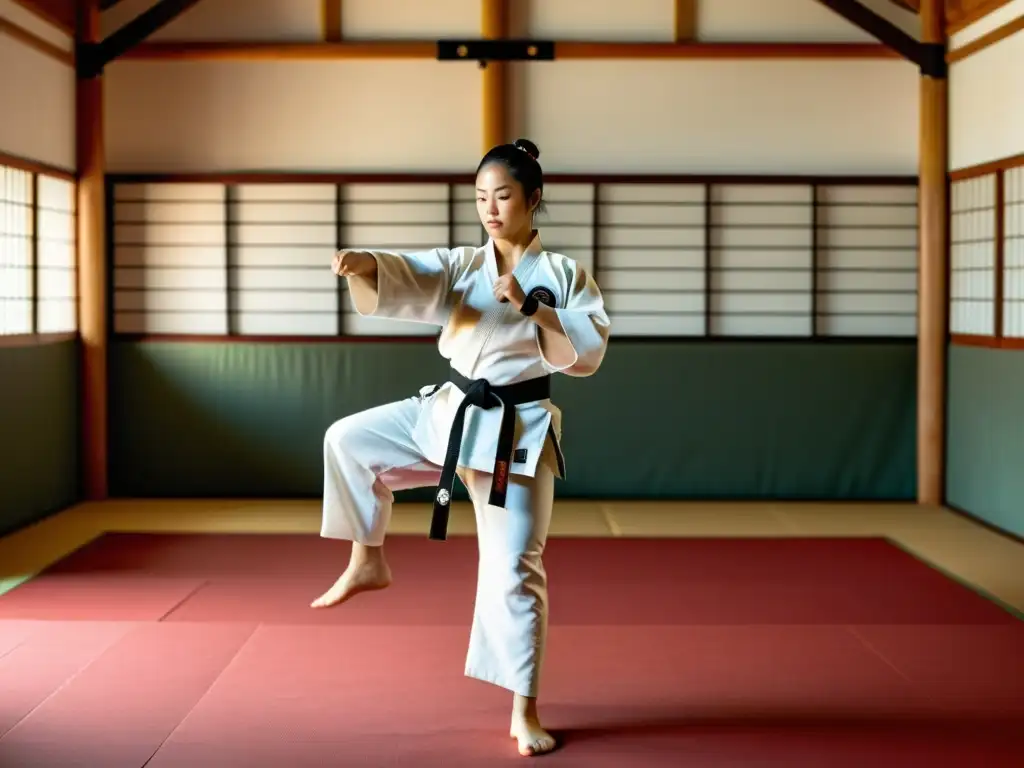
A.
pixel 985 445
pixel 38 432
pixel 659 420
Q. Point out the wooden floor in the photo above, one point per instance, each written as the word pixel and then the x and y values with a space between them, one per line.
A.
pixel 991 563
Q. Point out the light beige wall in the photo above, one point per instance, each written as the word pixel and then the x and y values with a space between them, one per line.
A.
pixel 357 115
pixel 986 94
pixel 842 117
pixel 683 116
pixel 717 20
pixel 37 93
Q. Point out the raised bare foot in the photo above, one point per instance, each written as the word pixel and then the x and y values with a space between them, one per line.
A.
pixel 532 738
pixel 362 575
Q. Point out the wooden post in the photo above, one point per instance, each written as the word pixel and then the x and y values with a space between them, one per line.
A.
pixel 92 277
pixel 494 24
pixel 932 274
pixel 686 21
pixel 330 13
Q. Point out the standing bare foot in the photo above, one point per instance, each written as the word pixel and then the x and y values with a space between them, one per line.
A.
pixel 526 728
pixel 367 570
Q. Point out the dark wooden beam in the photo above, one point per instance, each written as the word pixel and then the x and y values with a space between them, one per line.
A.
pixel 93 57
pixel 106 5
pixel 930 57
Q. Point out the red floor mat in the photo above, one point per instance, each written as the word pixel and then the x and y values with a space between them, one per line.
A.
pixel 121 706
pixel 966 669
pixel 367 696
pixel 796 653
pixel 47 654
pixel 85 596
pixel 701 581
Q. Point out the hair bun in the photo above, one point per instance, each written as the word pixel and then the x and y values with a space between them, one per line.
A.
pixel 528 147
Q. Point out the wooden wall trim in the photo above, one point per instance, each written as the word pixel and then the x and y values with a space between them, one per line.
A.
pixel 989 342
pixel 36 43
pixel 983 169
pixel 427 49
pixel 448 181
pixel 985 41
pixel 35 339
pixel 817 341
pixel 259 177
pixel 997 340
pixel 34 166
pixel 1000 254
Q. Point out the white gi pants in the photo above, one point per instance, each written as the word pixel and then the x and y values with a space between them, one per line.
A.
pixel 370 454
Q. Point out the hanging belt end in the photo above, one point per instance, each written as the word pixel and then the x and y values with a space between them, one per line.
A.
pixel 439 522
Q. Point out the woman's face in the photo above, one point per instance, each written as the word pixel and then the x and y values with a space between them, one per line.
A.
pixel 500 204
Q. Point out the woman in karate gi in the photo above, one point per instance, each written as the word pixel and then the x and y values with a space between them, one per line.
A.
pixel 512 314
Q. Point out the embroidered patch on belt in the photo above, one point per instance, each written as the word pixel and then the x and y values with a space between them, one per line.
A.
pixel 519 456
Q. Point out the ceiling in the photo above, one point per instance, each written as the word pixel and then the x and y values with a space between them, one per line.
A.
pixel 58 12
pixel 959 13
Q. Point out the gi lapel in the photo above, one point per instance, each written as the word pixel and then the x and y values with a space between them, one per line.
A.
pixel 496 310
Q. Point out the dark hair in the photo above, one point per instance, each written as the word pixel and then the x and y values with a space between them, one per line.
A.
pixel 521 159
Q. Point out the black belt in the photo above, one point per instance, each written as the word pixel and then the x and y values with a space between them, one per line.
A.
pixel 482 394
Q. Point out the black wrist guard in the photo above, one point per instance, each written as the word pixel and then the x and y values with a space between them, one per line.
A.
pixel 530 305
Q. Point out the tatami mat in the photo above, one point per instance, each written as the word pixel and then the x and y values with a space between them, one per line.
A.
pixel 965 550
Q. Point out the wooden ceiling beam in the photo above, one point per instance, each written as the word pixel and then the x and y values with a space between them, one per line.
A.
pixel 428 49
pixel 929 57
pixel 92 57
pixel 62 14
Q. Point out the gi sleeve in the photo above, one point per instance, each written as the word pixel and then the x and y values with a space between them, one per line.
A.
pixel 586 326
pixel 410 286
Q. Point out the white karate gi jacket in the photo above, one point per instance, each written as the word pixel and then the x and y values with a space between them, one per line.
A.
pixel 486 339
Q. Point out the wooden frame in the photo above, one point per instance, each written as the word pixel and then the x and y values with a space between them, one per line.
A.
pixel 90 154
pixel 94 55
pixel 495 101
pixel 997 169
pixel 451 180
pixel 34 338
pixel 34 166
pixel 917 51
pixel 933 260
pixel 427 49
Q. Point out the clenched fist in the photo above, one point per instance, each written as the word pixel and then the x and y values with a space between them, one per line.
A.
pixel 507 288
pixel 353 264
